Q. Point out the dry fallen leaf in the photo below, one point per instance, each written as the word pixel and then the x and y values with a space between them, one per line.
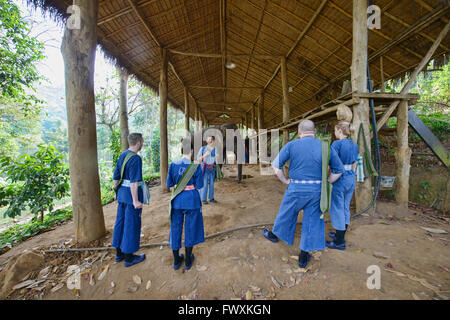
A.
pixel 432 230
pixel 103 273
pixel 132 289
pixel 201 268
pixel 57 287
pixel 137 279
pixel 44 273
pixel 254 288
pixel 23 284
pixel 149 284
pixel 275 282
pixel 92 280
pixel 113 284
pixel 382 255
pixel 248 295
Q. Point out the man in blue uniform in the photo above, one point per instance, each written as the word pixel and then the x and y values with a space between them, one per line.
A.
pixel 127 230
pixel 343 188
pixel 207 157
pixel 303 192
pixel 186 206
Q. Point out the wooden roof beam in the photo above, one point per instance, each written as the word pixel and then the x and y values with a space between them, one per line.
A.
pixel 123 12
pixel 373 56
pixel 300 37
pixel 147 27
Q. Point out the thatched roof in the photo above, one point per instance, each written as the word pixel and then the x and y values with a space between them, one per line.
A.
pixel 315 36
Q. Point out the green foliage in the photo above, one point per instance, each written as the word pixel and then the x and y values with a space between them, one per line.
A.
pixel 20 232
pixel 424 193
pixel 149 176
pixel 115 146
pixel 34 181
pixel 19 53
pixel 54 131
pixel 18 127
pixel 155 150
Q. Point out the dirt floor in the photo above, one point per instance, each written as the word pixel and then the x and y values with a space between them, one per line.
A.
pixel 414 263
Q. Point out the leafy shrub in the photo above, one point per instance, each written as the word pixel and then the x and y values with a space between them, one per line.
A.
pixel 34 181
pixel 115 146
pixel 20 232
pixel 155 150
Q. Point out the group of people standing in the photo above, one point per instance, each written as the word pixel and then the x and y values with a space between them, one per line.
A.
pixel 187 178
pixel 185 206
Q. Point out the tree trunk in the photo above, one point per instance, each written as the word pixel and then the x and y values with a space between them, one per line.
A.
pixel 123 114
pixel 402 156
pixel 78 50
pixel 363 193
pixel 163 149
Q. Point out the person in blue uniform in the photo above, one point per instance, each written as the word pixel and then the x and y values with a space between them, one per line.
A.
pixel 186 206
pixel 127 230
pixel 207 157
pixel 343 188
pixel 303 191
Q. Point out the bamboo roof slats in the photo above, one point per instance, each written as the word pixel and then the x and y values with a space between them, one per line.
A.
pixel 201 36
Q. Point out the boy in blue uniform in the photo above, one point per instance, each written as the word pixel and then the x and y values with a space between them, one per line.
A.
pixel 207 157
pixel 343 188
pixel 185 206
pixel 303 192
pixel 127 230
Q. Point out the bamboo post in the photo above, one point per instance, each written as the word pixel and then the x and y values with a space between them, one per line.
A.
pixel 123 114
pixel 363 193
pixel 402 156
pixel 261 112
pixel 163 149
pixel 186 110
pixel 284 83
pixel 252 118
pixel 383 86
pixel 78 50
pixel 246 123
pixel 197 119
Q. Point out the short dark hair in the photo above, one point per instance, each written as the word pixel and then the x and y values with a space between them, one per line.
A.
pixel 187 145
pixel 134 138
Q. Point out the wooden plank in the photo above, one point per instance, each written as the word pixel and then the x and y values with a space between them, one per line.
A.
pixel 394 96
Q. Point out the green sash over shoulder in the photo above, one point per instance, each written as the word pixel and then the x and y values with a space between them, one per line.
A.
pixel 325 194
pixel 122 169
pixel 368 166
pixel 187 175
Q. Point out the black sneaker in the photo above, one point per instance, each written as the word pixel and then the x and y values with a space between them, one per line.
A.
pixel 205 202
pixel 213 201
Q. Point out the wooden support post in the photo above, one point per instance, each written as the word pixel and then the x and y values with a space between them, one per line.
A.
pixel 363 193
pixel 164 147
pixel 284 82
pixel 246 123
pixel 123 114
pixel 197 119
pixel 252 118
pixel 261 112
pixel 402 156
pixel 186 110
pixel 78 49
pixel 383 86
